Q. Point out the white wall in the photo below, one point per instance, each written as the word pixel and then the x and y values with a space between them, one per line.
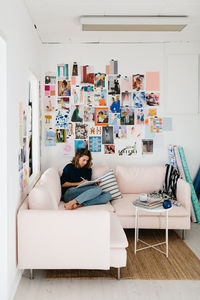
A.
pixel 131 58
pixel 23 53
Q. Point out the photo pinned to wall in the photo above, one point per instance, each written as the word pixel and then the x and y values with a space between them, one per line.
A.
pixel 151 112
pixel 60 135
pixel 50 78
pixel 97 95
pixel 95 143
pixel 99 80
pixel 75 94
pixel 68 147
pixel 62 118
pixel 114 119
pixel 75 69
pixel 63 71
pixel 138 82
pixel 87 74
pixel 69 130
pixel 127 115
pixel 87 88
pixel 139 99
pixel 113 67
pixel 50 90
pixel 63 103
pixel 88 98
pixel 153 99
pixel 139 116
pixel 77 113
pixel 50 137
pixel 126 99
pixel 64 88
pixel 50 104
pixel 152 81
pixel 81 131
pixel 107 135
pixel 126 83
pixel 147 146
pixel 95 130
pixel 135 132
pixel 88 114
pixel 100 97
pixel 114 103
pixel 120 132
pixel 126 148
pixel 113 84
pixel 81 144
pixel 109 149
pixel 101 116
pixel 48 120
pixel 156 125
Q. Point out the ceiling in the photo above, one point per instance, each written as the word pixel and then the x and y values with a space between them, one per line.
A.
pixel 58 21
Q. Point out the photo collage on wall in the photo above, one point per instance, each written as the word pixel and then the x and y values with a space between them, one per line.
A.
pixel 107 112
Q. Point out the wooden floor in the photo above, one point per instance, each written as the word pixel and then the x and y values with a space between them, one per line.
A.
pixel 42 289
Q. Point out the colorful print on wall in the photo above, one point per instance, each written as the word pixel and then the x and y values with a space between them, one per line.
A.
pixel 99 80
pixel 64 88
pixel 114 119
pixel 109 149
pixel 101 116
pixel 152 99
pixel 139 99
pixel 95 143
pixel 50 137
pixel 50 90
pixel 81 144
pixel 77 113
pixel 138 82
pixel 60 135
pixel 62 118
pixel 68 147
pixel 50 78
pixel 107 135
pixel 127 115
pixel 95 130
pixel 113 84
pixel 88 114
pixel 139 116
pixel 50 103
pixel 63 71
pixel 81 131
pixel 147 146
pixel 114 103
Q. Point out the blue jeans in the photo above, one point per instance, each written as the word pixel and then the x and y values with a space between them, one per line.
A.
pixel 87 195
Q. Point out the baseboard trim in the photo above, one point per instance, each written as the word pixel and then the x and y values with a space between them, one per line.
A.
pixel 15 283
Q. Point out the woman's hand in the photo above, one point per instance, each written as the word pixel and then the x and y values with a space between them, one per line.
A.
pixel 82 181
pixel 97 183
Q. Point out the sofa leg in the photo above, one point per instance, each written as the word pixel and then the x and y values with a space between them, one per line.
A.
pixel 118 273
pixel 31 274
pixel 183 234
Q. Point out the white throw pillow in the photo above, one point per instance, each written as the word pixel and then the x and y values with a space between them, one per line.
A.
pixel 40 198
pixel 109 184
pixel 52 179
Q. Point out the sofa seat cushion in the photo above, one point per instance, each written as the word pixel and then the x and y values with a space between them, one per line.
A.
pixel 124 207
pixel 117 235
pixel 106 206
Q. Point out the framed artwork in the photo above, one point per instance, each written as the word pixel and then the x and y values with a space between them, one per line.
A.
pixel 101 116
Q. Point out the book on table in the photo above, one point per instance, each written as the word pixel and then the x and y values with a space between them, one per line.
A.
pixel 149 203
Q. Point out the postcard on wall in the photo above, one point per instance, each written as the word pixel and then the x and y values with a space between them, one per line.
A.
pixel 75 94
pixel 50 90
pixel 50 78
pixel 101 116
pixel 63 71
pixel 114 119
pixel 63 103
pixel 68 147
pixel 77 112
pixel 95 143
pixel 120 132
pixel 138 82
pixel 75 69
pixel 69 129
pixel 62 118
pixel 109 149
pixel 88 98
pixel 95 130
pixel 126 83
pixel 48 120
pixel 60 135
pixel 151 112
pixel 139 116
pixel 81 144
pixel 81 131
pixel 50 137
pixel 152 81
pixel 147 146
pixel 113 84
pixel 87 74
pixel 64 88
pixel 126 99
pixel 156 124
pixel 127 115
pixel 25 175
pixel 127 148
pixel 152 99
pixel 50 103
pixel 114 103
pixel 107 135
pixel 135 132
pixel 88 114
pixel 139 99
pixel 99 80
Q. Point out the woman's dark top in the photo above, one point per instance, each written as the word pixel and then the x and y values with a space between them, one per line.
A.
pixel 73 174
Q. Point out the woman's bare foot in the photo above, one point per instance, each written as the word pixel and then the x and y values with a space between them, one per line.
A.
pixel 69 205
pixel 77 206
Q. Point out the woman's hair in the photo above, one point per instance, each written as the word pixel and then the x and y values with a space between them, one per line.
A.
pixel 79 153
pixel 65 82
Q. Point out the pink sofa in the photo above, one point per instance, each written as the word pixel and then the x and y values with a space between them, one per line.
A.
pixel 91 237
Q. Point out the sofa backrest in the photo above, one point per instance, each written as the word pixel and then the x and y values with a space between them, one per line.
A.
pixel 139 179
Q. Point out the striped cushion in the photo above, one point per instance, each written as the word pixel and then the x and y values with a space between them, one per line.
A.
pixel 109 184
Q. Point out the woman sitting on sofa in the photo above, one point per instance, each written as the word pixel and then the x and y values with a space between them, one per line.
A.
pixel 75 173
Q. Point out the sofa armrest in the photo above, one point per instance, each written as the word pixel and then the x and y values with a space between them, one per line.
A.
pixel 63 239
pixel 183 194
